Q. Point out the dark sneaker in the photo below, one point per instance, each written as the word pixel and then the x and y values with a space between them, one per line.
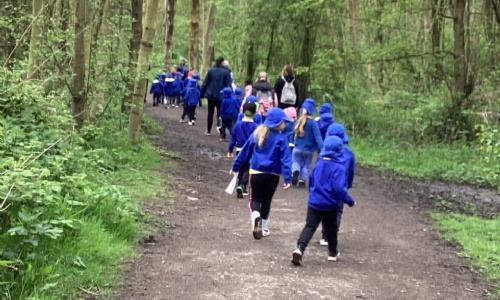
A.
pixel 297 257
pixel 245 191
pixel 239 192
pixel 302 183
pixel 257 228
pixel 295 178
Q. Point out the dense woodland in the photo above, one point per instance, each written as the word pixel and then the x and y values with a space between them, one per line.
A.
pixel 414 72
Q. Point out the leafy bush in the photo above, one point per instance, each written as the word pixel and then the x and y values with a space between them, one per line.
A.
pixel 56 195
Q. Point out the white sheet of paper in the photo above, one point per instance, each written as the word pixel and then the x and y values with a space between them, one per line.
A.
pixel 232 185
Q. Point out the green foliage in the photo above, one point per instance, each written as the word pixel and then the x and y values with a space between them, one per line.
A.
pixel 64 222
pixel 455 163
pixel 478 237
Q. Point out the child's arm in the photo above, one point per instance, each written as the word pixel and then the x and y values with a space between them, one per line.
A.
pixel 317 136
pixel 244 155
pixel 286 160
pixel 350 172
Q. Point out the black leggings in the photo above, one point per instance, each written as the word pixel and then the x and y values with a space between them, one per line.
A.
pixel 191 111
pixel 262 188
pixel 211 107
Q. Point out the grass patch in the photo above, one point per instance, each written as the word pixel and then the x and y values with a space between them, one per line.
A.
pixel 479 239
pixel 454 163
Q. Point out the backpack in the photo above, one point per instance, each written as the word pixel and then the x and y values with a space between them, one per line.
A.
pixel 288 95
pixel 266 101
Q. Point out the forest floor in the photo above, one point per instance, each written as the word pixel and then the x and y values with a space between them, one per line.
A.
pixel 388 247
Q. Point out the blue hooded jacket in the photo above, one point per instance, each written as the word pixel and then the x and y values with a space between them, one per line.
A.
pixel 178 85
pixel 240 134
pixel 327 182
pixel 274 157
pixel 156 86
pixel 229 107
pixel 168 85
pixel 191 95
pixel 311 141
pixel 238 94
pixel 338 130
pixel 325 118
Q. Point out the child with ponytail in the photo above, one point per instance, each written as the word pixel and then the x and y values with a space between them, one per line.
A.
pixel 307 141
pixel 269 156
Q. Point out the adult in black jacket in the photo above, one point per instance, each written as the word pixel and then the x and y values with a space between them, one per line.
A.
pixel 287 75
pixel 218 77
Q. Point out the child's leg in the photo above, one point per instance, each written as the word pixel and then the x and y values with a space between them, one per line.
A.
pixel 192 111
pixel 185 112
pixel 262 188
pixel 312 222
pixel 339 216
pixel 226 124
pixel 244 176
pixel 330 221
pixel 296 160
pixel 307 161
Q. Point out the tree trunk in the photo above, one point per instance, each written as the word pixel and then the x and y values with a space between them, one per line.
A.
pixel 437 11
pixel 169 32
pixel 353 22
pixel 36 31
pixel 307 52
pixel 78 84
pixel 135 43
pixel 460 71
pixel 208 27
pixel 194 32
pixel 149 28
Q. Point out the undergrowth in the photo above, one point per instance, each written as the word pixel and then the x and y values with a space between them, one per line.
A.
pixel 67 219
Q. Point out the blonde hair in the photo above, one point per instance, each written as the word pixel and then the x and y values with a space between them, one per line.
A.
pixel 260 134
pixel 301 122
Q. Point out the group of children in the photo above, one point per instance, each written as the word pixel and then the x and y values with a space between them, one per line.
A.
pixel 175 87
pixel 283 144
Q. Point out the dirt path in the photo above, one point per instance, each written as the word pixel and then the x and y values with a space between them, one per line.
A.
pixel 388 251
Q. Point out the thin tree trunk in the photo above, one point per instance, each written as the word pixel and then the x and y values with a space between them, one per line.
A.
pixel 437 11
pixel 135 43
pixel 78 84
pixel 208 27
pixel 194 32
pixel 134 126
pixel 353 22
pixel 307 53
pixel 169 32
pixel 36 31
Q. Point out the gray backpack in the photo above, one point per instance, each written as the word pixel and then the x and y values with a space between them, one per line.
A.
pixel 288 95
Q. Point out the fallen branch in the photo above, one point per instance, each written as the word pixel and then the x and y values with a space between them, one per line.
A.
pixel 5 199
pixel 89 292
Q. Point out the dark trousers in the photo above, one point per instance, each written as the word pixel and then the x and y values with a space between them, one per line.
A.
pixel 262 188
pixel 243 173
pixel 226 123
pixel 211 107
pixel 184 111
pixel 157 99
pixel 339 220
pixel 171 100
pixel 314 217
pixel 191 111
pixel 177 100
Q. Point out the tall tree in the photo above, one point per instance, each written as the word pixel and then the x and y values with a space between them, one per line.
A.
pixel 208 26
pixel 194 30
pixel 169 33
pixel 135 43
pixel 78 84
pixel 36 29
pixel 149 29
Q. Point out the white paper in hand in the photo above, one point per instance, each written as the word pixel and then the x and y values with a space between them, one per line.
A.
pixel 232 185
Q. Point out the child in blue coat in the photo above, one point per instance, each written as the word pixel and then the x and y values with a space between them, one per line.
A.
pixel 307 141
pixel 191 98
pixel 238 94
pixel 168 89
pixel 349 162
pixel 257 118
pixel 268 154
pixel 239 135
pixel 157 90
pixel 327 192
pixel 228 112
pixel 178 88
pixel 325 118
